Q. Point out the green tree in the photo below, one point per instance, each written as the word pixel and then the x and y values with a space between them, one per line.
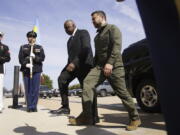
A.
pixel 75 86
pixel 45 80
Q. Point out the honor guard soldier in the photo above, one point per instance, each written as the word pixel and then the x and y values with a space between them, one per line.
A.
pixel 31 57
pixel 4 57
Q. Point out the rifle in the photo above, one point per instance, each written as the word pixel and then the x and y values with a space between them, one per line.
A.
pixel 31 62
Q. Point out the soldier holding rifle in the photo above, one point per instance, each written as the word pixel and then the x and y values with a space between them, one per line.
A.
pixel 31 57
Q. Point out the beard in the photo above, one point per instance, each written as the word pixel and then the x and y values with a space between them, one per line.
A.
pixel 97 25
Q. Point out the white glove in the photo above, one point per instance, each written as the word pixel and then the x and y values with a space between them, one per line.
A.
pixel 32 55
pixel 29 65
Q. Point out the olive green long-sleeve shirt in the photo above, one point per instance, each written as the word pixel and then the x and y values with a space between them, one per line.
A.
pixel 108 44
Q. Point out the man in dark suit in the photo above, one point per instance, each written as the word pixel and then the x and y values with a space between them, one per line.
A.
pixel 80 61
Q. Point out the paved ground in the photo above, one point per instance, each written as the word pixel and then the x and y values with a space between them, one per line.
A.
pixel 112 114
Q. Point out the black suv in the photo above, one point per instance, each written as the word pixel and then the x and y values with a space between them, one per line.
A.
pixel 139 76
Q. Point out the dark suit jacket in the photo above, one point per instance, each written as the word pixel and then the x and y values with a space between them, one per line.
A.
pixel 79 49
pixel 4 56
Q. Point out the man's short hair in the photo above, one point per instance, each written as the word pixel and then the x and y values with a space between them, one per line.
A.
pixel 69 20
pixel 99 12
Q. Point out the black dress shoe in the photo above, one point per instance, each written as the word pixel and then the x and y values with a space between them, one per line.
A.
pixel 96 119
pixel 29 110
pixel 34 110
pixel 61 111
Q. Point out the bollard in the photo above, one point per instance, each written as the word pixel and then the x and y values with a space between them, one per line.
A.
pixel 15 88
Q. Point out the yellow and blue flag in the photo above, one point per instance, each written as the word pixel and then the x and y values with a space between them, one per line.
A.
pixel 36 29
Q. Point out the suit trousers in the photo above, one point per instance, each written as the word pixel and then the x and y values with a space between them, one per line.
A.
pixel 66 77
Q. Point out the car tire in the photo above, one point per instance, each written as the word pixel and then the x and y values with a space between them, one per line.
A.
pixel 147 96
pixel 103 93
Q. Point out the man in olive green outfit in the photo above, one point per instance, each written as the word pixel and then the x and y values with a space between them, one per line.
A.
pixel 108 65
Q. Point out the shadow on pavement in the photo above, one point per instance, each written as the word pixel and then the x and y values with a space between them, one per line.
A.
pixel 149 120
pixel 93 131
pixel 45 109
pixel 24 108
pixel 29 130
pixel 115 107
pixel 153 121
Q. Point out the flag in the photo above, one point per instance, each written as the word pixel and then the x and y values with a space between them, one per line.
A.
pixel 36 29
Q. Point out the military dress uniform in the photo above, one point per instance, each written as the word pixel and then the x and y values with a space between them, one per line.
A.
pixel 107 51
pixel 31 84
pixel 4 57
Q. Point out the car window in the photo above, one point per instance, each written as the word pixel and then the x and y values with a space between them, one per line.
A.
pixel 44 88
